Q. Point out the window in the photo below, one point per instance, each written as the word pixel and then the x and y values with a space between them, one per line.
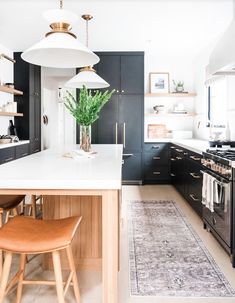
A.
pixel 217 103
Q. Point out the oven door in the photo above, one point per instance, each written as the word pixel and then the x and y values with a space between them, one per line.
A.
pixel 220 218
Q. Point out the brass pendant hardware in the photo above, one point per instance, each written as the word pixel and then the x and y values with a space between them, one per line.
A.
pixel 87 69
pixel 87 17
pixel 61 27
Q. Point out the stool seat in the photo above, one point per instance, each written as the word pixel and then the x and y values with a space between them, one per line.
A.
pixel 30 236
pixel 10 201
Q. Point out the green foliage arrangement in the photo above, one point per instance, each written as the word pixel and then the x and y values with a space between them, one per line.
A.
pixel 86 109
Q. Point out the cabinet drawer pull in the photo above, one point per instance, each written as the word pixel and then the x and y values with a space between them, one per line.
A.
pixel 173 159
pixel 172 175
pixel 122 91
pixel 9 159
pixel 25 154
pixel 193 197
pixel 128 155
pixel 156 158
pixel 179 150
pixel 172 147
pixel 124 135
pixel 156 173
pixel 117 91
pixel 179 158
pixel 156 146
pixel 195 176
pixel 195 158
pixel 36 150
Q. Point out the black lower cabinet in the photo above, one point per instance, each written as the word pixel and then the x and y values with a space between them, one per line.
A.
pixel 186 175
pixel 156 163
pixel 22 151
pixel 12 153
pixel 131 168
pixel 7 154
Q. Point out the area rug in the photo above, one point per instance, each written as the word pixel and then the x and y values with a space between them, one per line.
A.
pixel 167 257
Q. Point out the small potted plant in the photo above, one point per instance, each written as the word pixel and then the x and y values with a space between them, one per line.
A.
pixel 179 86
pixel 86 111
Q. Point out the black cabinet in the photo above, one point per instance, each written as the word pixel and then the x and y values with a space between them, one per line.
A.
pixel 7 155
pixel 27 77
pixel 124 71
pixel 156 163
pixel 121 119
pixel 22 151
pixel 186 175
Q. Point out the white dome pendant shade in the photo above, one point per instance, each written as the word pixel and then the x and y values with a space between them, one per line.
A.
pixel 87 76
pixel 60 48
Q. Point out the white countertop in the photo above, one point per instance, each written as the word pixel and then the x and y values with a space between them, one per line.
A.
pixel 14 144
pixel 50 170
pixel 195 145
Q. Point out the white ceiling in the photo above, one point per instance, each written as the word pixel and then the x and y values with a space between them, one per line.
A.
pixel 168 26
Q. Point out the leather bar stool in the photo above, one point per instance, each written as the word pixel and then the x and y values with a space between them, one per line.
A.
pixel 26 235
pixel 8 203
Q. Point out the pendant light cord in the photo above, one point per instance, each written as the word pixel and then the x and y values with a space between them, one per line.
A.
pixel 87 33
pixel 61 4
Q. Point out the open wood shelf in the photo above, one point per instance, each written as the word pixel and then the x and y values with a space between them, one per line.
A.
pixel 176 95
pixel 10 90
pixel 169 115
pixel 9 114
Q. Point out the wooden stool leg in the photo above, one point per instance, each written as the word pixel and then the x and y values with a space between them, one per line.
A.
pixel 34 206
pixel 21 277
pixel 58 276
pixel 15 211
pixel 5 275
pixel 73 269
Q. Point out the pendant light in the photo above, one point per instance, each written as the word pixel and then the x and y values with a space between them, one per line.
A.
pixel 87 76
pixel 60 48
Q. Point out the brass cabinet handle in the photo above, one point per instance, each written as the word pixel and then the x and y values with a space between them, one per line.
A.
pixel 173 147
pixel 156 146
pixel 156 158
pixel 117 91
pixel 116 133
pixel 122 91
pixel 193 197
pixel 128 155
pixel 179 158
pixel 195 158
pixel 156 173
pixel 172 175
pixel 179 150
pixel 195 176
pixel 124 134
pixel 173 159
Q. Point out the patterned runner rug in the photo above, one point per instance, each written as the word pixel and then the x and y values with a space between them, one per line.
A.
pixel 167 258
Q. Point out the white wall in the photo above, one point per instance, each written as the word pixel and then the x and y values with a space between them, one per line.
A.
pixel 180 67
pixel 61 127
pixel 200 121
pixel 6 76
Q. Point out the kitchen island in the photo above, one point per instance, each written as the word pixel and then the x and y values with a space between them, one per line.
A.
pixel 89 187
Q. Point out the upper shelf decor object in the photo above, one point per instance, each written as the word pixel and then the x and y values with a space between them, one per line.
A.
pixel 159 83
pixel 60 48
pixel 87 76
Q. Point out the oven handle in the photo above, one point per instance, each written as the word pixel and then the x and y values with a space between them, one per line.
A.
pixel 224 182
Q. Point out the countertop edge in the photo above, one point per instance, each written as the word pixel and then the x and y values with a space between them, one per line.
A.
pixel 22 142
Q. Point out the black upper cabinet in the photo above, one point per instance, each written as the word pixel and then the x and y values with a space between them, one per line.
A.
pixel 124 71
pixel 27 77
pixel 132 75
pixel 109 69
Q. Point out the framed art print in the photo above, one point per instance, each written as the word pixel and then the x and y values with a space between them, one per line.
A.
pixel 159 83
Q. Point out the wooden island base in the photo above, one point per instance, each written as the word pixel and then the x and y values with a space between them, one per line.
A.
pixel 87 243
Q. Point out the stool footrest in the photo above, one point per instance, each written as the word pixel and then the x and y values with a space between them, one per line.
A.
pixel 13 281
pixel 43 282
